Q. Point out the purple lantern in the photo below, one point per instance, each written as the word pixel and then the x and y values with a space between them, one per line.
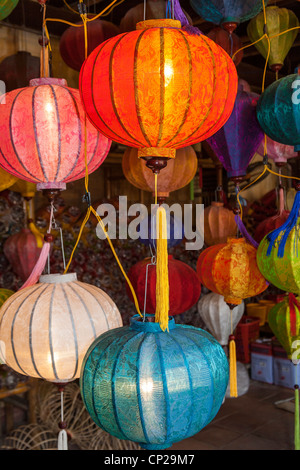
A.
pixel 237 141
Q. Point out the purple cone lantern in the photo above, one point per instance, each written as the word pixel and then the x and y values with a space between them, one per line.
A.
pixel 237 141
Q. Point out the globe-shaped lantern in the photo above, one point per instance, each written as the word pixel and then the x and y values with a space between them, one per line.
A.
pixel 42 135
pixel 6 7
pixel 231 43
pixel 219 224
pixel 155 388
pixel 46 329
pixel 132 84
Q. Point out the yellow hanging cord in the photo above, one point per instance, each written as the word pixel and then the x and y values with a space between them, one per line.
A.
pixel 232 362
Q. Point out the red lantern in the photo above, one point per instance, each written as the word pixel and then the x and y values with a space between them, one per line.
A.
pixel 271 223
pixel 158 88
pixel 42 135
pixel 231 43
pixel 184 285
pixel 72 46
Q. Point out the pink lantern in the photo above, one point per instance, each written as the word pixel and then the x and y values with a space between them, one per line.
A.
pixel 278 152
pixel 271 223
pixel 42 135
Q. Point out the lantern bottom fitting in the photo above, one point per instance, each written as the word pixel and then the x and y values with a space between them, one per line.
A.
pixel 150 152
pixel 229 26
pixel 156 163
pixel 276 67
pixel 51 185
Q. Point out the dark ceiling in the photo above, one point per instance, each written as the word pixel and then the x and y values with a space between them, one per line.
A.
pixel 28 15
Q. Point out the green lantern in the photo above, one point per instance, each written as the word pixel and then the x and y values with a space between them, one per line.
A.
pixel 278 20
pixel 6 7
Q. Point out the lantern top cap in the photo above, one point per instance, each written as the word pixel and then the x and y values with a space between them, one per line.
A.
pixel 58 278
pixel 161 23
pixel 236 240
pixel 217 204
pixel 48 81
pixel 149 326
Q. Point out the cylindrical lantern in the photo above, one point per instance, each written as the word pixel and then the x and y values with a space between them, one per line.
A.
pixel 178 173
pixel 231 43
pixel 6 7
pixel 278 20
pixel 72 42
pixel 46 329
pixel 42 135
pixel 141 384
pixel 184 290
pixel 217 316
pixel 131 84
pixel 219 224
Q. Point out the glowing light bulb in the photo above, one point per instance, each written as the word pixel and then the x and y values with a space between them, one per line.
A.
pixel 49 107
pixel 147 385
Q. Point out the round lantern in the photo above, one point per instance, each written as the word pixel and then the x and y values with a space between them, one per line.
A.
pixel 278 111
pixel 46 329
pixel 6 7
pixel 72 45
pixel 184 285
pixel 231 43
pixel 131 85
pixel 278 20
pixel 6 180
pixel 42 135
pixel 141 384
pixel 219 224
pixel 17 70
pixel 178 173
pixel 230 269
pixel 148 231
pixel 228 13
pixel 22 252
pixel 271 223
pixel 217 316
pixel 278 152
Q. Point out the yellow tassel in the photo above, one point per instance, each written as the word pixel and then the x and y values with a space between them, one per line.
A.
pixel 38 236
pixel 162 274
pixel 232 367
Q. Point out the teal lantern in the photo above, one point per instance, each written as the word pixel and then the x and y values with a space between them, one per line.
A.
pixel 152 387
pixel 278 111
pixel 6 7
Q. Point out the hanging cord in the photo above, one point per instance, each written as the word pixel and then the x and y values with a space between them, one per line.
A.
pixel 152 263
pixel 62 443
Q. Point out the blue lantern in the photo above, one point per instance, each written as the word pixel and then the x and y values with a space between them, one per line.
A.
pixel 147 230
pixel 152 387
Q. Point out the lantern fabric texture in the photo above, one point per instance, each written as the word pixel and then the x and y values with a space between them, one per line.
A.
pixel 271 223
pixel 231 43
pixel 230 269
pixel 217 316
pixel 278 20
pixel 46 329
pixel 6 180
pixel 278 152
pixel 278 111
pixel 158 88
pixel 42 135
pixel 148 231
pixel 184 286
pixel 72 43
pixel 154 388
pixel 6 7
pixel 236 143
pixel 219 224
pixel 178 173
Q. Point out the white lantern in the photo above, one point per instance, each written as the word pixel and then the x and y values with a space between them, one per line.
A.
pixel 46 329
pixel 216 315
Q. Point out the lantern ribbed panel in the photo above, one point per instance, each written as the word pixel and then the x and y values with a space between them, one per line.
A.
pixel 46 329
pixel 42 134
pixel 152 387
pixel 22 252
pixel 6 7
pixel 158 87
pixel 280 324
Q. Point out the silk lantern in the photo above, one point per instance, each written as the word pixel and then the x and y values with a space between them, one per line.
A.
pixel 42 135
pixel 178 173
pixel 6 7
pixel 154 388
pixel 278 152
pixel 278 20
pixel 278 111
pixel 227 13
pixel 216 315
pixel 132 84
pixel 231 43
pixel 271 223
pixel 184 285
pixel 46 329
pixel 237 141
pixel 219 224
pixel 72 42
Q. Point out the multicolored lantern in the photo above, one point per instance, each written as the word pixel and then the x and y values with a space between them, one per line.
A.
pixel 271 223
pixel 231 43
pixel 236 143
pixel 72 43
pixel 131 85
pixel 278 20
pixel 219 224
pixel 46 329
pixel 6 7
pixel 141 384
pixel 178 173
pixel 42 135
pixel 184 291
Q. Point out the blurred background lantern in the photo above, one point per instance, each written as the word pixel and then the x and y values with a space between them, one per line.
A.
pixel 151 387
pixel 46 329
pixel 278 152
pixel 6 7
pixel 42 135
pixel 184 290
pixel 72 46
pixel 25 188
pixel 148 232
pixel 134 102
pixel 6 180
pixel 18 69
pixel 219 224
pixel 271 223
pixel 178 173
pixel 215 313
pixel 278 20
pixel 4 294
pixel 278 112
pixel 231 43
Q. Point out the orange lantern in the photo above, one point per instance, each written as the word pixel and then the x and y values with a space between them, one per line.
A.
pixel 158 89
pixel 179 172
pixel 219 224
